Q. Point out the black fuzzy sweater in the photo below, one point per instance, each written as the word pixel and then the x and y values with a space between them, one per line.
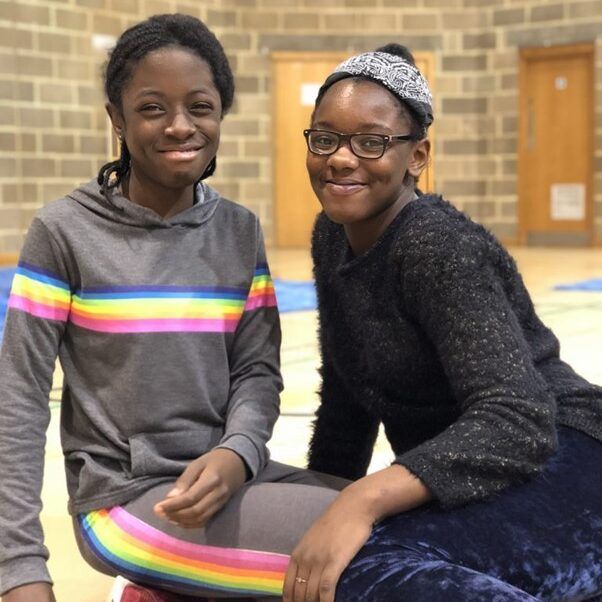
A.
pixel 433 333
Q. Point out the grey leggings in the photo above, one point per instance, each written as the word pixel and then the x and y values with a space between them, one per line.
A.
pixel 243 550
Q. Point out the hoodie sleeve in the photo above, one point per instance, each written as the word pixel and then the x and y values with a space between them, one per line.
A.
pixel 38 309
pixel 255 380
pixel 507 426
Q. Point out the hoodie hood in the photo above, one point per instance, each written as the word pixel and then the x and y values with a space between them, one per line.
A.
pixel 121 210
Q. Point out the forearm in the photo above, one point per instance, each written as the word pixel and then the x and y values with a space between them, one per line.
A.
pixel 340 449
pixel 255 379
pixel 250 423
pixel 344 432
pixel 23 422
pixel 387 492
pixel 506 448
pixel 38 310
pixel 505 429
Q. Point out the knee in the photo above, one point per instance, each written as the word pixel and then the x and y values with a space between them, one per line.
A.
pixel 419 574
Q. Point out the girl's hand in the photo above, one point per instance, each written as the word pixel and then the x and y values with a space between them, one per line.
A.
pixel 336 537
pixel 325 551
pixel 32 592
pixel 203 489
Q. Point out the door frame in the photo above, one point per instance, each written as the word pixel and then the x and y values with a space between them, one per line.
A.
pixel 527 55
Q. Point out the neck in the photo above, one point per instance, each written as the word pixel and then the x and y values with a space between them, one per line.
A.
pixel 166 202
pixel 363 235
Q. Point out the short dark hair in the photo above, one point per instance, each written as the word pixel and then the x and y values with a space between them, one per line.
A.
pixel 135 43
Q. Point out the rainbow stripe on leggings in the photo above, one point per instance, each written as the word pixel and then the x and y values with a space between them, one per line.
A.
pixel 143 553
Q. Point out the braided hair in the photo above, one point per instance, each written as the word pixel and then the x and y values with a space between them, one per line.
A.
pixel 134 44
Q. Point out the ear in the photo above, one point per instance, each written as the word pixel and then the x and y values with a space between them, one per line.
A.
pixel 419 158
pixel 116 119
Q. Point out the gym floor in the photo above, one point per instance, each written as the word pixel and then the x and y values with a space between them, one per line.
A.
pixel 575 317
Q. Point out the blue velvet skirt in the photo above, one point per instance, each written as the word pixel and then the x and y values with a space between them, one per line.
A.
pixel 537 541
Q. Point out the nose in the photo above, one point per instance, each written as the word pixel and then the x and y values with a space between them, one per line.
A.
pixel 181 126
pixel 343 158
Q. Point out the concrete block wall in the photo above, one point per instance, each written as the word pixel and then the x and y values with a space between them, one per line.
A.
pixel 53 128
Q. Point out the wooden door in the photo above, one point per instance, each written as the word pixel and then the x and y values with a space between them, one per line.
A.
pixel 556 145
pixel 8 259
pixel 296 78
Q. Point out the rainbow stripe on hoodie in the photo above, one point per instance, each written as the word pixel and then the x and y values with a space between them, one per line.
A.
pixel 139 309
pixel 40 293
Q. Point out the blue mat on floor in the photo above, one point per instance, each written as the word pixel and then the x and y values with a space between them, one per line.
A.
pixel 295 295
pixel 591 285
pixel 6 278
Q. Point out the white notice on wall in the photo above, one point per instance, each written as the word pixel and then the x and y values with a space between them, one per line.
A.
pixel 309 93
pixel 567 202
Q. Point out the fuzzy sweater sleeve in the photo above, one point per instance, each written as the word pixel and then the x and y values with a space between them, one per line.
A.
pixel 38 309
pixel 507 426
pixel 343 431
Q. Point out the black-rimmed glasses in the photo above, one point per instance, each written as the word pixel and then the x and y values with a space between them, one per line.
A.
pixel 365 146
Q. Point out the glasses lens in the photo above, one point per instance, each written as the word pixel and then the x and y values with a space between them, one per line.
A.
pixel 368 145
pixel 323 142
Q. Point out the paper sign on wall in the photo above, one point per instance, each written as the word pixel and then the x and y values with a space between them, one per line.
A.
pixel 567 202
pixel 309 93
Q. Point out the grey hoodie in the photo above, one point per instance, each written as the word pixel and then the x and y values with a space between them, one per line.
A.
pixel 168 335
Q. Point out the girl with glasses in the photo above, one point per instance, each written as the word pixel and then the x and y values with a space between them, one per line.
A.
pixel 426 328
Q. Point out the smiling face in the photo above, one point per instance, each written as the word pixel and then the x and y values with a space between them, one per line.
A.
pixel 364 193
pixel 169 118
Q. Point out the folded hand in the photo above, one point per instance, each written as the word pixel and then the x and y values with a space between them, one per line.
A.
pixel 203 488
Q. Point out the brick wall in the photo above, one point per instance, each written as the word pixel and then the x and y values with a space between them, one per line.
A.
pixel 53 129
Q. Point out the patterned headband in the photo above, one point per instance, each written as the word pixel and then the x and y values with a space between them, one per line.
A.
pixel 395 73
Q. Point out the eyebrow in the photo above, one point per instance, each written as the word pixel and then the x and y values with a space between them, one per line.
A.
pixel 153 92
pixel 368 125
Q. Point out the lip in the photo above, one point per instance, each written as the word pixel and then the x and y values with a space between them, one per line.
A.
pixel 181 153
pixel 343 187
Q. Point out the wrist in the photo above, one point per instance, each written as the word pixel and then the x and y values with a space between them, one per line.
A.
pixel 247 449
pixel 235 466
pixel 387 492
pixel 247 470
pixel 31 592
pixel 357 501
pixel 231 457
pixel 30 572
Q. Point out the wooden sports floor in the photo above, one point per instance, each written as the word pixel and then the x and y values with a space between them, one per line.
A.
pixel 576 317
